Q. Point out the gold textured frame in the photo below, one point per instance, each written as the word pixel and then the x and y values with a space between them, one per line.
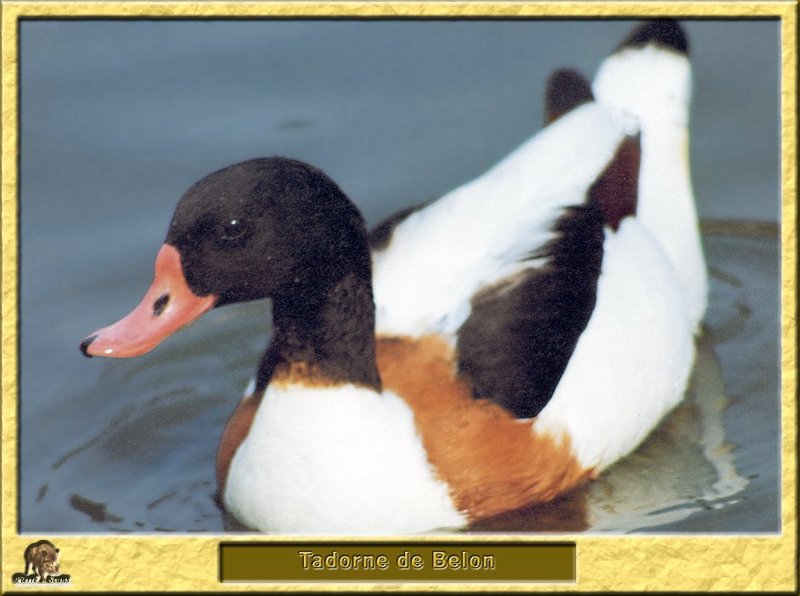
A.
pixel 190 563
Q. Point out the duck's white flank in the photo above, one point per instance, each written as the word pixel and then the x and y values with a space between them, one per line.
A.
pixel 337 459
pixel 632 363
pixel 653 84
pixel 476 235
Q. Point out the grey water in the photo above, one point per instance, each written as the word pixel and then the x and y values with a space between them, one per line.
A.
pixel 118 118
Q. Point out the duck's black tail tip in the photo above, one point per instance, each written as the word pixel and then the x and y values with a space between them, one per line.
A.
pixel 566 90
pixel 665 32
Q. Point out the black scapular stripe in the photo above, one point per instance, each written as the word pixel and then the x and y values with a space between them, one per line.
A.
pixel 519 337
pixel 521 334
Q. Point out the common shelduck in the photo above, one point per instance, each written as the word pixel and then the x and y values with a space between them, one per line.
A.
pixel 486 352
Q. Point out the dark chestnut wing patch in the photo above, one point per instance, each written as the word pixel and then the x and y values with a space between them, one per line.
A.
pixel 616 192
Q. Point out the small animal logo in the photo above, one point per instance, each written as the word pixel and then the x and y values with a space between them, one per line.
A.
pixel 41 565
pixel 41 558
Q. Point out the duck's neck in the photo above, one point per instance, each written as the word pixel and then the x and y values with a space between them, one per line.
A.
pixel 323 334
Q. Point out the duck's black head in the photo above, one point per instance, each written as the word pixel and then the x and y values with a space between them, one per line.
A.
pixel 265 228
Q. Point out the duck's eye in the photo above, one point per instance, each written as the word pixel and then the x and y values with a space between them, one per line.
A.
pixel 233 232
pixel 232 229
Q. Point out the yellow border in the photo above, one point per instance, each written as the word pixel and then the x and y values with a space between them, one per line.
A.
pixel 697 563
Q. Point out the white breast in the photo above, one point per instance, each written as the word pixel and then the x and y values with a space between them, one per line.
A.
pixel 336 460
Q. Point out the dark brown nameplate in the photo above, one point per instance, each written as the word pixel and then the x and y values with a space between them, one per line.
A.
pixel 397 562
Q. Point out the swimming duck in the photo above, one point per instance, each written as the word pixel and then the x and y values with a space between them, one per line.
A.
pixel 572 342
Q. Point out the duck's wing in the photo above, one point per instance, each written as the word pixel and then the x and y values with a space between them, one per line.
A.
pixel 566 89
pixel 649 78
pixel 520 338
pixel 521 333
pixel 436 259
pixel 506 267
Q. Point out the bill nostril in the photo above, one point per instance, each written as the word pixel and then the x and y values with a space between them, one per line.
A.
pixel 85 345
pixel 160 304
